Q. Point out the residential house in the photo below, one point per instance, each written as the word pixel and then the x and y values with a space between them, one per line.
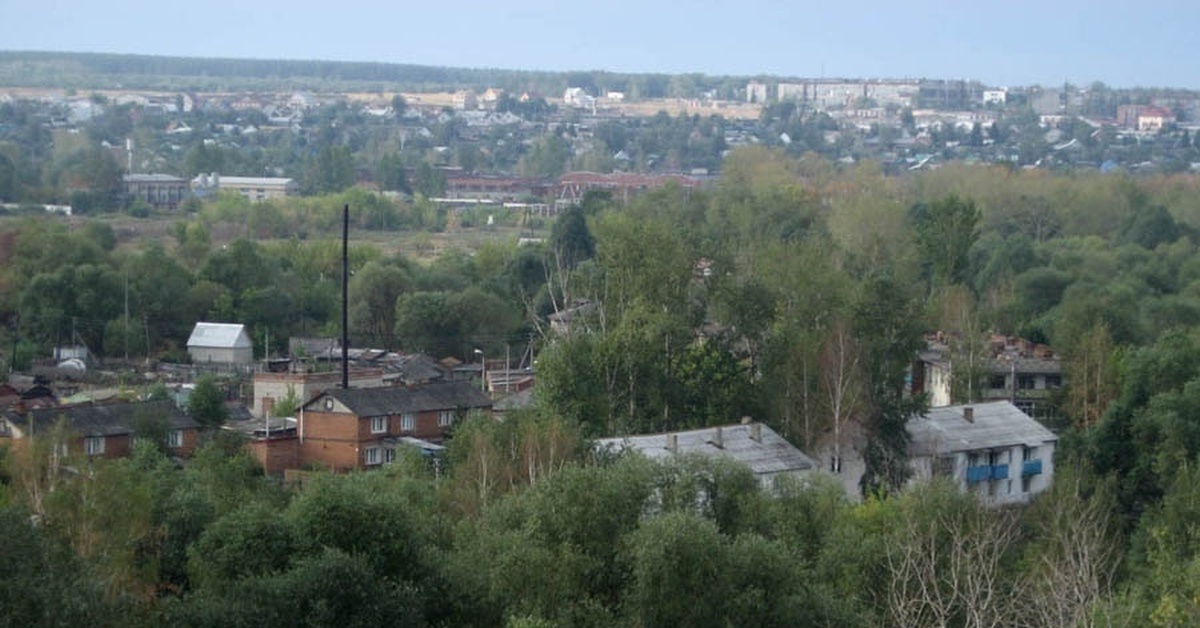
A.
pixel 106 430
pixel 767 454
pixel 347 429
pixel 1023 372
pixel 573 317
pixel 160 191
pixel 1153 119
pixel 464 99
pixel 991 449
pixel 22 393
pixel 220 343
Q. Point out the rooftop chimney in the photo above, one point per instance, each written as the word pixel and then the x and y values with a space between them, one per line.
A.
pixel 969 414
pixel 756 432
pixel 719 439
pixel 673 443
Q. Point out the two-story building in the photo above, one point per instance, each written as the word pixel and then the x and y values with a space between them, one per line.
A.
pixel 102 430
pixel 347 429
pixel 1022 372
pixel 160 191
pixel 991 449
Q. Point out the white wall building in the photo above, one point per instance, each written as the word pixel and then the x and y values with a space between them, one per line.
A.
pixel 220 343
pixel 755 445
pixel 991 449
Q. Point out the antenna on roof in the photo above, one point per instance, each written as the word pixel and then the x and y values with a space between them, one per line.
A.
pixel 345 295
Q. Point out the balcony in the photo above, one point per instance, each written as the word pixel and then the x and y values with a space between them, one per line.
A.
pixel 1031 467
pixel 1000 472
pixel 978 474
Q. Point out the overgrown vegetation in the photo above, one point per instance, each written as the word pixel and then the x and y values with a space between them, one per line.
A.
pixel 791 291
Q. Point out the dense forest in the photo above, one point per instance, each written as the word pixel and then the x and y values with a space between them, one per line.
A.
pixel 129 71
pixel 703 306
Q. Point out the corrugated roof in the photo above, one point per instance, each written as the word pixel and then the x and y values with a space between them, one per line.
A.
pixel 219 335
pixel 101 419
pixel 996 424
pixel 390 400
pixel 765 456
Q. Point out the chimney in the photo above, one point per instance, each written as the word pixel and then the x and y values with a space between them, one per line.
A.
pixel 719 439
pixel 969 414
pixel 756 432
pixel 673 443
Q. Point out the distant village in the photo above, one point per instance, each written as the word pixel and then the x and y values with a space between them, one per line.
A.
pixel 904 125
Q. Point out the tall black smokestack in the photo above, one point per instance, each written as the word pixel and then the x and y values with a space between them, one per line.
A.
pixel 345 296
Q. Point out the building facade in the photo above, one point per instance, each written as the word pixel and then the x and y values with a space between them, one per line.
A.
pixel 101 430
pixel 220 343
pixel 160 191
pixel 254 188
pixel 993 450
pixel 362 428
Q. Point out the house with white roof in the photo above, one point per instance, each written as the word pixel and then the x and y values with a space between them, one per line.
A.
pixel 991 449
pixel 755 445
pixel 220 343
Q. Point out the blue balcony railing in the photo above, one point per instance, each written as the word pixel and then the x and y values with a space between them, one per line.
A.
pixel 1032 467
pixel 1000 472
pixel 978 474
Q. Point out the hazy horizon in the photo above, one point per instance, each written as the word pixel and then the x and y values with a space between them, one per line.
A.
pixel 1022 43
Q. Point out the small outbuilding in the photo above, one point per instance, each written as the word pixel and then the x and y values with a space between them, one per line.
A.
pixel 220 343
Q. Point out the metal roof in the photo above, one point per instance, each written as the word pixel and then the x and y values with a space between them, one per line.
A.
pixel 766 455
pixel 219 335
pixel 100 419
pixel 390 400
pixel 994 425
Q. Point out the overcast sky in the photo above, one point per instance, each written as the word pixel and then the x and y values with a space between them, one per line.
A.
pixel 1006 42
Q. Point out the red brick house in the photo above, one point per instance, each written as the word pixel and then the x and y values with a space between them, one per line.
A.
pixel 361 428
pixel 105 430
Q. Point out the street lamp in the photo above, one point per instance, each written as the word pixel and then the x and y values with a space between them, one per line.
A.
pixel 482 370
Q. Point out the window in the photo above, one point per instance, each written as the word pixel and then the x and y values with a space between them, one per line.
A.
pixel 1054 381
pixel 944 466
pixel 378 424
pixel 389 455
pixel 1028 454
pixel 371 455
pixel 1025 480
pixel 175 438
pixel 999 382
pixel 408 422
pixel 445 418
pixel 1026 382
pixel 94 445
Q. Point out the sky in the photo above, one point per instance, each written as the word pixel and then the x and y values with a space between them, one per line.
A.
pixel 1002 43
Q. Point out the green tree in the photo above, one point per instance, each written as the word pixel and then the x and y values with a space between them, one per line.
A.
pixel 206 403
pixel 945 232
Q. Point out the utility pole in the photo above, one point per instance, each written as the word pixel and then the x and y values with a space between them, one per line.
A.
pixel 345 296
pixel 126 330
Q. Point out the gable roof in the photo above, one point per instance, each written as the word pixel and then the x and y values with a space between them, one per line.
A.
pixel 100 419
pixel 768 454
pixel 219 335
pixel 389 400
pixel 997 424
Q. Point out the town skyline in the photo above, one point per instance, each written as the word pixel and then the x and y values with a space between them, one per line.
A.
pixel 1023 44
